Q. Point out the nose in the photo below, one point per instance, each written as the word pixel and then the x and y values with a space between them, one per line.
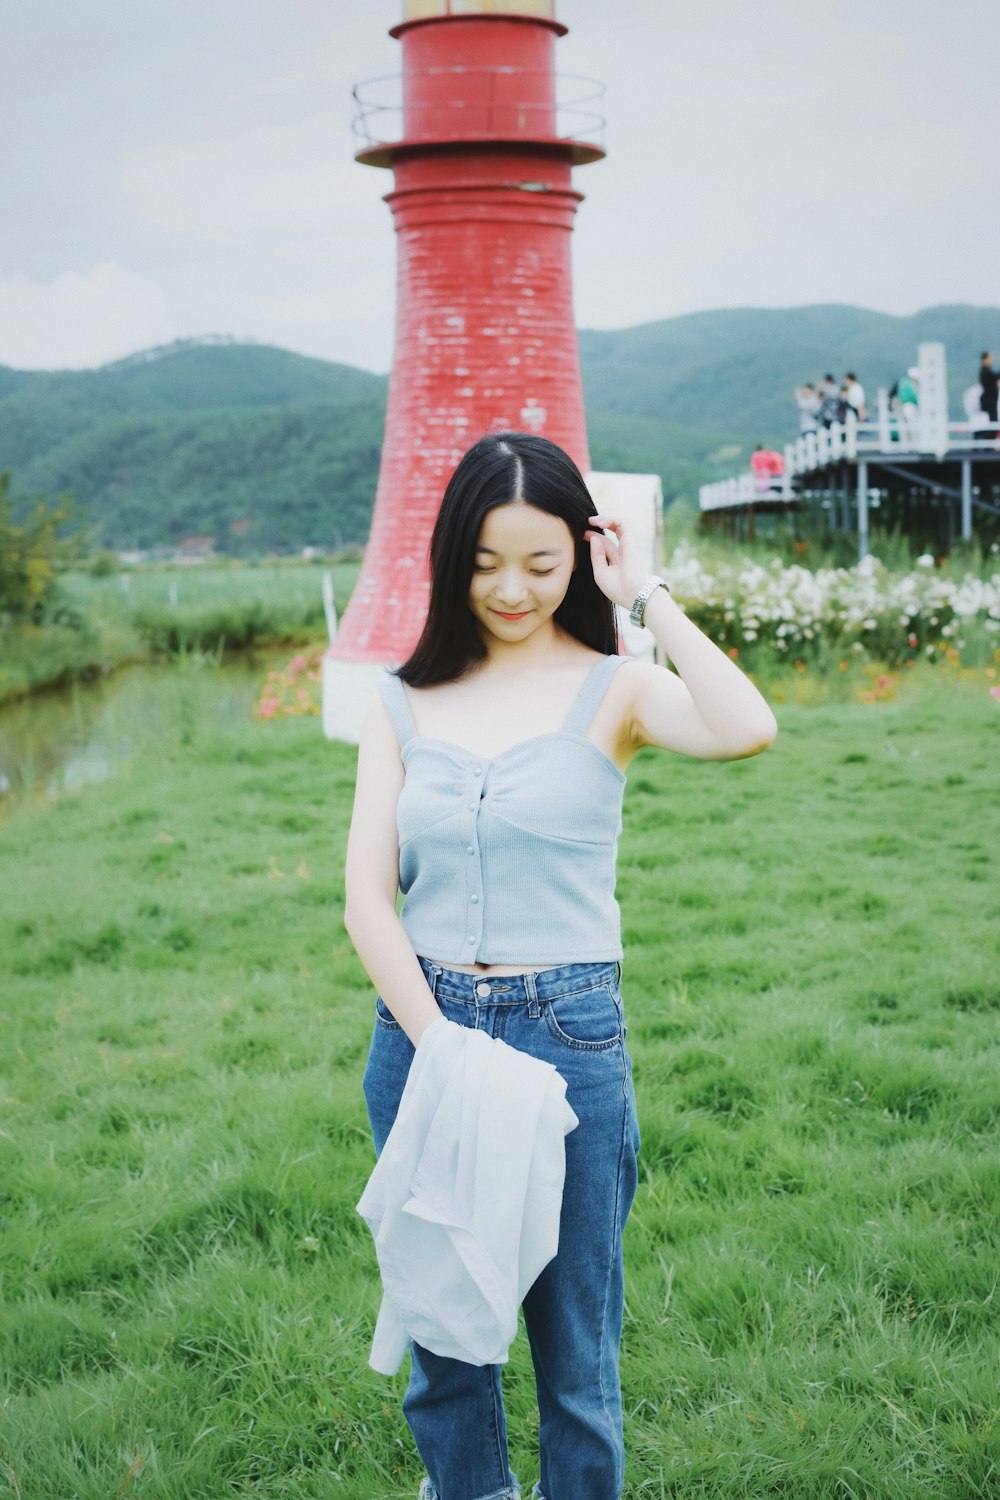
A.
pixel 510 589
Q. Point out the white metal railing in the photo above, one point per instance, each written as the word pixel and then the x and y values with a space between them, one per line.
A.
pixel 964 437
pixel 892 433
pixel 744 489
pixel 487 112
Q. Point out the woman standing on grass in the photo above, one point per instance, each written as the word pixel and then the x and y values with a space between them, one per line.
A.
pixel 490 777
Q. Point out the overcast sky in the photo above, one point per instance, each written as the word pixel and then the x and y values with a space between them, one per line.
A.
pixel 178 167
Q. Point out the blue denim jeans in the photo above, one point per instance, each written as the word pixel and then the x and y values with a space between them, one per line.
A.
pixel 572 1017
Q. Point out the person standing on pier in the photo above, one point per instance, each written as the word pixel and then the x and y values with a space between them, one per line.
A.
pixel 988 380
pixel 807 402
pixel 829 401
pixel 856 395
pixel 908 396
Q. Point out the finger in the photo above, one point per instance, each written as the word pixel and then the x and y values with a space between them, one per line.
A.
pixel 598 555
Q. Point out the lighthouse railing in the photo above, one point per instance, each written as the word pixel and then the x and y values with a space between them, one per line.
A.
pixel 484 112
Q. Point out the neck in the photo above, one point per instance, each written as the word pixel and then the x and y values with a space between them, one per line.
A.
pixel 536 650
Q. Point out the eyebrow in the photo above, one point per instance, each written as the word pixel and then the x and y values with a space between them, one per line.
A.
pixel 542 552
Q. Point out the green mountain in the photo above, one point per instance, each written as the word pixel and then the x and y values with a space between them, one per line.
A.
pixel 269 450
pixel 265 449
pixel 40 410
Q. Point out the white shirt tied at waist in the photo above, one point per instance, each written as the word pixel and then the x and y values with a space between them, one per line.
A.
pixel 465 1198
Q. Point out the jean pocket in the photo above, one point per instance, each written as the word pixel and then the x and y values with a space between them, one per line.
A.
pixel 384 1015
pixel 590 1020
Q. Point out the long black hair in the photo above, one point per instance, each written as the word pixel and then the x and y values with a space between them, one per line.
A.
pixel 501 467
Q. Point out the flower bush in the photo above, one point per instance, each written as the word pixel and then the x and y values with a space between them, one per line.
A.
pixel 292 691
pixel 763 614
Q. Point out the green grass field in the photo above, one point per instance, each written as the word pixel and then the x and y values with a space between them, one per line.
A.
pixel 174 610
pixel 813 995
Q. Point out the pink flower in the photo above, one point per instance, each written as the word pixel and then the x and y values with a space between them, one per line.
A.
pixel 995 692
pixel 882 681
pixel 267 709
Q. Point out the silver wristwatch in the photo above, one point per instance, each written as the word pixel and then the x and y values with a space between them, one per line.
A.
pixel 643 597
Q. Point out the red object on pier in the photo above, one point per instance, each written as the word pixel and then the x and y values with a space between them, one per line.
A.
pixel 483 206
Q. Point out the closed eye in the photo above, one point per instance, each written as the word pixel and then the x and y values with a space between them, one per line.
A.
pixel 535 572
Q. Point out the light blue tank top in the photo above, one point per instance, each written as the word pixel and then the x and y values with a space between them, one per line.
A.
pixel 510 859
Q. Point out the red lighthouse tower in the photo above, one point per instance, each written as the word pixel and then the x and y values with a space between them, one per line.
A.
pixel 483 206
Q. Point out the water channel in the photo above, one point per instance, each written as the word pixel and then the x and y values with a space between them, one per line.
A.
pixel 55 742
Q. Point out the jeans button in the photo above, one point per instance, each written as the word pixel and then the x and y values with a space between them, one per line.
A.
pixel 483 990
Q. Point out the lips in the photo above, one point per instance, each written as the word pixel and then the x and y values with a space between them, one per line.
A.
pixel 521 615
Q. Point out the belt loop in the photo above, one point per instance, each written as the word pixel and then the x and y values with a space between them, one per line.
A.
pixel 433 977
pixel 618 972
pixel 531 990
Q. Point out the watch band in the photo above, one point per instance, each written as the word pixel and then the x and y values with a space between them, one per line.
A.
pixel 643 597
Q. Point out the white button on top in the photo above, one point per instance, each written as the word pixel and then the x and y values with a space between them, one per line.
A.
pixel 470 850
pixel 477 771
pixel 474 899
pixel 472 806
pixel 471 938
pixel 483 990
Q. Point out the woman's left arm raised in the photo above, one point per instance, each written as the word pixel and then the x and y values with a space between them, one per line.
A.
pixel 708 708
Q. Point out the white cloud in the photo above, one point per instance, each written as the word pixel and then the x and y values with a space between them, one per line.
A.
pixel 80 318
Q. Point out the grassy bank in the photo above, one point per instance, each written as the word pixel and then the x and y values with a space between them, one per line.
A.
pixel 812 995
pixel 105 621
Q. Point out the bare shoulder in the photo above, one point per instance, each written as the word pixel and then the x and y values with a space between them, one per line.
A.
pixel 377 742
pixel 380 773
pixel 644 677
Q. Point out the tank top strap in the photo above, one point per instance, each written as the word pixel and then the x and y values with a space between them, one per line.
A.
pixel 595 685
pixel 393 694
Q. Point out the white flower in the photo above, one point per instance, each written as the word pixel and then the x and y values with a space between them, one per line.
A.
pixel 925 560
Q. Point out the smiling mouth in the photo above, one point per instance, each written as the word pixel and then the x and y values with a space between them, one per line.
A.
pixel 520 615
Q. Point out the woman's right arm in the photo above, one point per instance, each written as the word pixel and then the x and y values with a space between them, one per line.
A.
pixel 372 880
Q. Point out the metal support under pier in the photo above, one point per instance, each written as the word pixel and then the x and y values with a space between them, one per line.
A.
pixel 966 500
pixel 862 510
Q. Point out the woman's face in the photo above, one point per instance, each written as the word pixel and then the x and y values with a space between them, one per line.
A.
pixel 524 561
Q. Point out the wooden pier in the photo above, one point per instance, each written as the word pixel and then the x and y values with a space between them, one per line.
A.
pixel 851 468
